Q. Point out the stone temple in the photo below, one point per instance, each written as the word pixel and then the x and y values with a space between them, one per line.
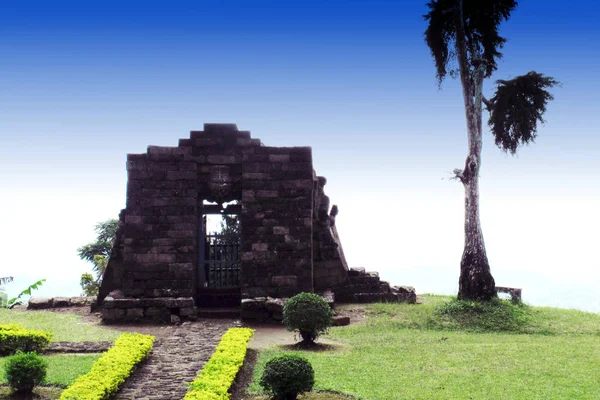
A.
pixel 165 266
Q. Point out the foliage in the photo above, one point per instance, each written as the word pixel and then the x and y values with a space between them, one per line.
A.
pixel 106 232
pixel 287 376
pixel 14 337
pixel 64 327
pixel 466 31
pixel 63 369
pixel 308 313
pixel 89 285
pixel 6 279
pixel 480 21
pixel 25 370
pixel 15 301
pixel 111 370
pixel 230 225
pixel 516 108
pixel 495 316
pixel 548 358
pixel 3 295
pixel 217 376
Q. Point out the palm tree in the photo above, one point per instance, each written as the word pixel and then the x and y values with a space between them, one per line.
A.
pixel 5 280
pixel 464 42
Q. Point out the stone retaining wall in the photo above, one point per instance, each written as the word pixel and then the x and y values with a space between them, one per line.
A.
pixel 161 310
pixel 40 303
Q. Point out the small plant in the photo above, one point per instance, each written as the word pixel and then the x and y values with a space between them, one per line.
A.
pixel 89 285
pixel 14 337
pixel 25 370
pixel 308 313
pixel 15 301
pixel 287 376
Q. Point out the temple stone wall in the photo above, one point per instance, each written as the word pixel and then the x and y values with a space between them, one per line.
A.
pixel 289 240
pixel 156 251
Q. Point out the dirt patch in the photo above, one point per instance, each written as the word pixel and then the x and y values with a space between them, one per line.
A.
pixel 356 312
pixel 244 376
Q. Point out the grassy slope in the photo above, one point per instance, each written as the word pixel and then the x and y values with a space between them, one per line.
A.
pixel 63 369
pixel 412 352
pixel 64 327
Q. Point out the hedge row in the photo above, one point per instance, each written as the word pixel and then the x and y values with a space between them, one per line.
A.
pixel 216 378
pixel 110 371
pixel 14 337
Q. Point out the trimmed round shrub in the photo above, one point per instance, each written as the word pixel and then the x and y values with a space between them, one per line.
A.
pixel 287 376
pixel 25 370
pixel 308 313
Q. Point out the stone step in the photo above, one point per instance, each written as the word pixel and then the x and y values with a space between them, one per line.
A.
pixel 218 312
pixel 365 280
pixel 356 271
pixel 219 299
pixel 384 297
pixel 384 287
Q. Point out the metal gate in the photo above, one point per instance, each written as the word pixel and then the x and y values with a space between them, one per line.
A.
pixel 222 261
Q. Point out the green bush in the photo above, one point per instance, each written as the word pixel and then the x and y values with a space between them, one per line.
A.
pixel 287 376
pixel 25 370
pixel 14 337
pixel 110 371
pixel 89 285
pixel 496 315
pixel 308 313
pixel 3 298
pixel 218 374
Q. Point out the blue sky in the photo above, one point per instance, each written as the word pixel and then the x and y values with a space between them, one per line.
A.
pixel 84 83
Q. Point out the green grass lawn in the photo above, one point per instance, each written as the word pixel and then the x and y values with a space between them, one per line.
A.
pixel 63 369
pixel 442 350
pixel 63 326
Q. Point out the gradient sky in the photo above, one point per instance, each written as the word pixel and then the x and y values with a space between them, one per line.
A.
pixel 84 83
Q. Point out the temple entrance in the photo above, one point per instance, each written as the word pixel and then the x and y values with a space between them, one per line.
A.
pixel 219 255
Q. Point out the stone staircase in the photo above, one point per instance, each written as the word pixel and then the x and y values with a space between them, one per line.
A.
pixel 367 287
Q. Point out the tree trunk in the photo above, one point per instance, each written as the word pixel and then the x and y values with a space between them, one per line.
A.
pixel 476 281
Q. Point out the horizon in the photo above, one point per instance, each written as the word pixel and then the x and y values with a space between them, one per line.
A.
pixel 84 85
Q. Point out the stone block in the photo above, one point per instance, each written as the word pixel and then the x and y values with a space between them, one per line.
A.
pixel 187 312
pixel 112 314
pixel 403 289
pixel 356 271
pixel 281 230
pixel 260 246
pixel 253 304
pixel 275 305
pixel 252 292
pixel 40 303
pixel 285 280
pixel 132 314
pixel 61 302
pixel 78 301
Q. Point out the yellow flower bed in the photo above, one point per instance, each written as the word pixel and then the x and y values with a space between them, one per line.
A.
pixel 215 379
pixel 110 371
pixel 14 337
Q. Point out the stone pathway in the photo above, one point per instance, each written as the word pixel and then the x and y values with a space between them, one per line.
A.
pixel 175 361
pixel 78 347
